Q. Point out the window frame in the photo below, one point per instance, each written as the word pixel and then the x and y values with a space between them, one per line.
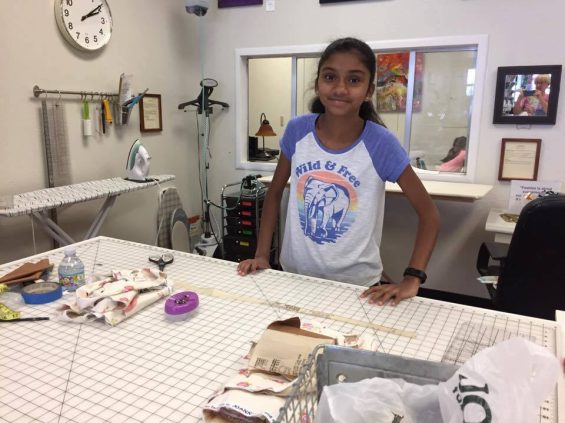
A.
pixel 242 55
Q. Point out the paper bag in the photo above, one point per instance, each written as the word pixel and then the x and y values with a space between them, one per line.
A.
pixel 284 347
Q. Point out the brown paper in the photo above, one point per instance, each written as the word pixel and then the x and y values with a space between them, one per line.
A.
pixel 27 272
pixel 284 347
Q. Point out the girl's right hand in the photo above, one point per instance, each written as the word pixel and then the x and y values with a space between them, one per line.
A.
pixel 252 265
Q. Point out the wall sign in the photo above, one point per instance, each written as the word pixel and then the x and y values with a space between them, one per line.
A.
pixel 151 116
pixel 519 159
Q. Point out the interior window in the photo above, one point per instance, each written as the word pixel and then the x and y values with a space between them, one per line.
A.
pixel 426 94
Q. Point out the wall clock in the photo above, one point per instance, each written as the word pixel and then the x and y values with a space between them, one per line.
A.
pixel 85 24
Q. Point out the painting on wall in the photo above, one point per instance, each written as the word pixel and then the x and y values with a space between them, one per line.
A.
pixel 234 3
pixel 392 82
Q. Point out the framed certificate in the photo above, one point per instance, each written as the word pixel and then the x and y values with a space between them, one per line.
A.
pixel 519 159
pixel 151 117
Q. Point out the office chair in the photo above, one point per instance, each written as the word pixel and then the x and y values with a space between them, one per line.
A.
pixel 531 270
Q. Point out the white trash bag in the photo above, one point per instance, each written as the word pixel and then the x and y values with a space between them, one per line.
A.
pixel 378 400
pixel 503 383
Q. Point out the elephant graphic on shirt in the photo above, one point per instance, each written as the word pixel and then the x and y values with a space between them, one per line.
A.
pixel 325 207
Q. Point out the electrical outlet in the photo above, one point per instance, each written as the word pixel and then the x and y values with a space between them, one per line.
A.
pixel 270 5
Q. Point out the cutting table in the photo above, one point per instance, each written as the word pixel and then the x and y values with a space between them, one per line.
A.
pixel 37 204
pixel 149 368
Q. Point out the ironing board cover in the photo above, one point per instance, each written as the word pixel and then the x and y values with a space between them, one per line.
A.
pixel 169 200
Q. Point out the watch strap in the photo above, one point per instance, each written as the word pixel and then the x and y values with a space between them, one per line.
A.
pixel 420 274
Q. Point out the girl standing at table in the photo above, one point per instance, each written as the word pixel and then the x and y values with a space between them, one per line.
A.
pixel 338 160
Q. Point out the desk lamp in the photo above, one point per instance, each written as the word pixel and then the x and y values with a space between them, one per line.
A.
pixel 265 130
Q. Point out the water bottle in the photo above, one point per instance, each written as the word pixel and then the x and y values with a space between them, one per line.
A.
pixel 71 270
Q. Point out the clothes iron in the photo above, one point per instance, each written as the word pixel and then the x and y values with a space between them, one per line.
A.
pixel 138 162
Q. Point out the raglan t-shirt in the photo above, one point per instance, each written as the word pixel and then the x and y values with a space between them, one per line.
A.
pixel 336 202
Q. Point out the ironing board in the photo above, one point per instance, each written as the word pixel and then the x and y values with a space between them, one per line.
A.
pixel 38 203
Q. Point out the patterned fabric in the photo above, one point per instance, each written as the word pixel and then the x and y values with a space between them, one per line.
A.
pixel 169 200
pixel 336 202
pixel 116 297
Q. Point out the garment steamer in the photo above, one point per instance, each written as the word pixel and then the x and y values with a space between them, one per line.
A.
pixel 208 241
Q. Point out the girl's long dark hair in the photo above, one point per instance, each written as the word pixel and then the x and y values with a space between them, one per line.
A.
pixel 459 143
pixel 367 57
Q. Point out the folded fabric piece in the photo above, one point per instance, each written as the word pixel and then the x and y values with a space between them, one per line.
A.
pixel 259 382
pixel 241 406
pixel 117 297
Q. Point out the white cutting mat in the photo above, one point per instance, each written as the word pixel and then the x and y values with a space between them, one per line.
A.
pixel 150 369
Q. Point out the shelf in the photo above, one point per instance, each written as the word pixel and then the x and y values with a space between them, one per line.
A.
pixel 456 191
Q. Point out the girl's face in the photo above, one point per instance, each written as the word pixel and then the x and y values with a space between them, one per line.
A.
pixel 343 84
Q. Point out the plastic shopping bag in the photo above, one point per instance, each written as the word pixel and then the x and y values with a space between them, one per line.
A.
pixel 378 400
pixel 503 383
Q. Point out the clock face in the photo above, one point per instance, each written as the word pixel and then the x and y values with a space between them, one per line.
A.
pixel 86 24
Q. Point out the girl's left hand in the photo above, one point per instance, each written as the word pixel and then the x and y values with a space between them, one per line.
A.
pixel 382 294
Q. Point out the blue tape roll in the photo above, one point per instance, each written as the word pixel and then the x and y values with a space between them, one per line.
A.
pixel 42 292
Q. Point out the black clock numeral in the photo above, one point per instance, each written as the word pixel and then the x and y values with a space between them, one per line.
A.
pixel 66 12
pixel 101 32
pixel 103 21
pixel 86 40
pixel 78 35
pixel 70 25
pixel 95 38
pixel 69 2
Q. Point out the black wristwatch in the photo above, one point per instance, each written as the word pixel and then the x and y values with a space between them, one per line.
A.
pixel 420 274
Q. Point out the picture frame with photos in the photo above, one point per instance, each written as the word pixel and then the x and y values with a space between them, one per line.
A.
pixel 527 94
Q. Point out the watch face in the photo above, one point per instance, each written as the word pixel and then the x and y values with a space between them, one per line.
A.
pixel 86 24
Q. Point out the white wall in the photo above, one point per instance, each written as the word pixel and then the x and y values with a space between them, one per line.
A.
pixel 158 43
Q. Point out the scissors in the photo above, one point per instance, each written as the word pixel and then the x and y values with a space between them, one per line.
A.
pixel 162 260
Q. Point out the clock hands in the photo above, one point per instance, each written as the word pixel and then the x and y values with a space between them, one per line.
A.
pixel 93 12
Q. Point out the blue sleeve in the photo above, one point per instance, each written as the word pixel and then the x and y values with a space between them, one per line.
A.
pixel 388 156
pixel 289 138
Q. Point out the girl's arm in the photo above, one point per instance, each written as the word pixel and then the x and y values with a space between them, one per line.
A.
pixel 426 235
pixel 271 207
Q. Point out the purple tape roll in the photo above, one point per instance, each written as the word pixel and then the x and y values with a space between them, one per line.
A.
pixel 181 303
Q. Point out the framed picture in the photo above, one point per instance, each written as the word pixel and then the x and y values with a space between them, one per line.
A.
pixel 527 94
pixel 392 82
pixel 234 3
pixel 519 159
pixel 151 116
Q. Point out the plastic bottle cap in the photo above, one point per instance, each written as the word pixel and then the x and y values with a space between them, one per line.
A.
pixel 69 251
